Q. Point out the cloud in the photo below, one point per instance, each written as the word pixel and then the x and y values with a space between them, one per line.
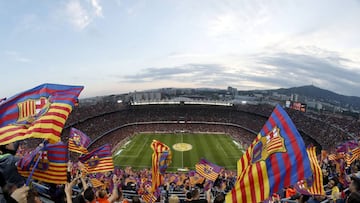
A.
pixel 271 70
pixel 97 7
pixel 81 15
pixel 326 71
pixel 78 16
pixel 16 56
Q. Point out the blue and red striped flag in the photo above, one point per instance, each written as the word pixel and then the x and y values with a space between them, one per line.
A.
pixel 161 159
pixel 207 169
pixel 78 141
pixel 39 113
pixel 52 166
pixel 99 160
pixel 277 158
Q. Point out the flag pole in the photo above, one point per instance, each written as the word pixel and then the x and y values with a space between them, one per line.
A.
pixel 36 163
pixel 33 169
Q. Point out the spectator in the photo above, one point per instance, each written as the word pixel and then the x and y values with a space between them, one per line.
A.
pixel 354 197
pixel 220 198
pixel 188 197
pixel 8 164
pixel 135 200
pixel 355 184
pixel 335 192
pixel 174 199
pixel 196 197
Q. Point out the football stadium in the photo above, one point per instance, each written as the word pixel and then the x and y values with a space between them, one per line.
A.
pixel 185 149
pixel 190 101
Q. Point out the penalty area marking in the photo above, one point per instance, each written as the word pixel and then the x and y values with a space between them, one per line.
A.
pixel 126 149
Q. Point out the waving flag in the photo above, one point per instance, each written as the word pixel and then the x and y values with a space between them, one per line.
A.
pixel 161 158
pixel 207 169
pixel 39 113
pixel 78 141
pixel 332 157
pixel 314 185
pixel 52 166
pixel 352 155
pixel 149 198
pixel 276 159
pixel 317 187
pixel 99 160
pixel 96 183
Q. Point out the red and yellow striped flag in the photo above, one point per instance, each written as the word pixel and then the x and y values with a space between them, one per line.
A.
pixel 96 183
pixel 317 187
pixel 332 157
pixel 99 160
pixel 149 198
pixel 78 141
pixel 159 148
pixel 351 156
pixel 40 112
pixel 52 166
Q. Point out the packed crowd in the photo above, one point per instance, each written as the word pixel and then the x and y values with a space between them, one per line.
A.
pixel 120 185
pixel 342 184
pixel 249 116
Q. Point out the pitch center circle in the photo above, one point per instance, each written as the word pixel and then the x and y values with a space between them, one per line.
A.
pixel 182 147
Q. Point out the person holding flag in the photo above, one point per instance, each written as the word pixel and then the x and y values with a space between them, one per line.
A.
pixel 8 162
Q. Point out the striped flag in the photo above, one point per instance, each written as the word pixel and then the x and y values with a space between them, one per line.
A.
pixel 52 166
pixel 352 155
pixel 313 186
pixel 207 169
pixel 149 198
pixel 38 113
pixel 332 157
pixel 78 141
pixel 96 183
pixel 276 159
pixel 99 160
pixel 159 149
pixel 356 152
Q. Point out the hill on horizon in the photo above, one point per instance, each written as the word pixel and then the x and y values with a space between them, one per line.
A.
pixel 319 94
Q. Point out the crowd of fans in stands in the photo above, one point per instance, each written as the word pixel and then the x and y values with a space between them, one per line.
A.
pixel 127 185
pixel 248 116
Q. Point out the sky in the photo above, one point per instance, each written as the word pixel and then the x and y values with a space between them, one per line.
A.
pixel 117 46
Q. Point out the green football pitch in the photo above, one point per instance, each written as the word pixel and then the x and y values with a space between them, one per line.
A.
pixel 217 148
